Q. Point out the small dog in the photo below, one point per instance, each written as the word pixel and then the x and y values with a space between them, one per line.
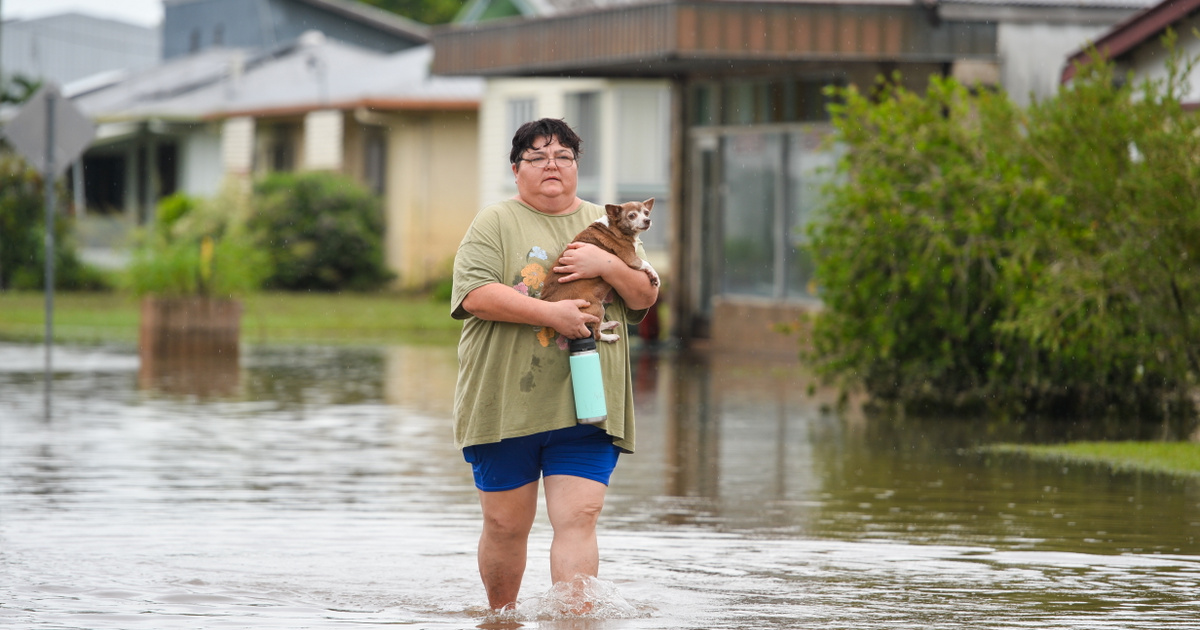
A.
pixel 616 233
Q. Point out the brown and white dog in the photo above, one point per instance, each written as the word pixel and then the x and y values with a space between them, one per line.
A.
pixel 617 233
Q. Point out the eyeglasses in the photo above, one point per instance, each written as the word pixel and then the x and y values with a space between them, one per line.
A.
pixel 561 161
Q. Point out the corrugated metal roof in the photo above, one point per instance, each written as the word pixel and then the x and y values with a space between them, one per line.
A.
pixel 310 75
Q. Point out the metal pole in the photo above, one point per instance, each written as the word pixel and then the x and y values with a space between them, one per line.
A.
pixel 48 180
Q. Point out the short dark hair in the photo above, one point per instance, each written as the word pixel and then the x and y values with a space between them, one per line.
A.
pixel 544 128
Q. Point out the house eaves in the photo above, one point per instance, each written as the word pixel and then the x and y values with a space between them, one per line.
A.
pixel 689 37
pixel 1133 32
pixel 1101 13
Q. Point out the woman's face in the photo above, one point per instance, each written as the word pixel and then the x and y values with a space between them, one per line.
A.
pixel 546 187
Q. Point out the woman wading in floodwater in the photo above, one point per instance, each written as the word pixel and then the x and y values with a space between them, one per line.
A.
pixel 513 405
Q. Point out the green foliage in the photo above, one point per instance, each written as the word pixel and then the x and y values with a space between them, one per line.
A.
pixel 22 235
pixel 18 88
pixel 975 255
pixel 424 11
pixel 1116 282
pixel 322 232
pixel 198 247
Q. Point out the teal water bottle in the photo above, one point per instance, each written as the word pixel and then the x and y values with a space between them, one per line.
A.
pixel 587 381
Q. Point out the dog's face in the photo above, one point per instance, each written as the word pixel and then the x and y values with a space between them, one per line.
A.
pixel 632 217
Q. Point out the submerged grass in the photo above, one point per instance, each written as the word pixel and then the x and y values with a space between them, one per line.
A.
pixel 1176 458
pixel 335 318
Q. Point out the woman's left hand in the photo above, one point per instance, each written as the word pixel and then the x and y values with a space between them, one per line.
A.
pixel 584 260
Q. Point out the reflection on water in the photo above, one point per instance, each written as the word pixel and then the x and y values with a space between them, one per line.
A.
pixel 317 487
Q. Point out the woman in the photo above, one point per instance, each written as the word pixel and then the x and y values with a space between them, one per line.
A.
pixel 513 405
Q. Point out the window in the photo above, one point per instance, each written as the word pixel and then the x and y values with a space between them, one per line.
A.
pixel 643 154
pixel 375 159
pixel 760 101
pixel 281 148
pixel 772 190
pixel 583 114
pixel 517 112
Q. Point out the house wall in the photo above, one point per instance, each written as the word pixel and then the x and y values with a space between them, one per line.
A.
pixel 258 24
pixel 1148 61
pixel 192 26
pixel 1032 55
pixel 431 194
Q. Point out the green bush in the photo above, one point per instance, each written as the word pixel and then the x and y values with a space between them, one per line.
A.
pixel 22 235
pixel 197 247
pixel 975 255
pixel 322 232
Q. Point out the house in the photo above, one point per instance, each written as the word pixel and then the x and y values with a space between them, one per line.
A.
pixel 747 115
pixel 313 104
pixel 71 46
pixel 190 26
pixel 1135 45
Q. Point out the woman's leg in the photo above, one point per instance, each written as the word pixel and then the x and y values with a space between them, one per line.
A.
pixel 573 505
pixel 507 518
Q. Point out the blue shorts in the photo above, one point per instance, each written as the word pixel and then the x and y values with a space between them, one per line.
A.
pixel 583 450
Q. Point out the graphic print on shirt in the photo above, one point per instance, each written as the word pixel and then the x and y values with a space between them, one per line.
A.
pixel 530 281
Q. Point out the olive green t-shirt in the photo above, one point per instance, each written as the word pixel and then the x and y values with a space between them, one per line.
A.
pixel 514 379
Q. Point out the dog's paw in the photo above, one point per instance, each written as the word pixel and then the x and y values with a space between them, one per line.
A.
pixel 651 273
pixel 610 325
pixel 607 338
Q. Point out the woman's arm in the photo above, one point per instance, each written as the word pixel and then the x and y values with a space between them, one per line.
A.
pixel 500 303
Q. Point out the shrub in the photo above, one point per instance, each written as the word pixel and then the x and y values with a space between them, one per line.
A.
pixel 322 232
pixel 197 247
pixel 976 255
pixel 22 235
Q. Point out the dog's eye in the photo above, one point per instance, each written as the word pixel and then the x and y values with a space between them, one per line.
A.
pixel 632 215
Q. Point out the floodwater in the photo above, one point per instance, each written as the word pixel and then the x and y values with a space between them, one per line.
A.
pixel 316 487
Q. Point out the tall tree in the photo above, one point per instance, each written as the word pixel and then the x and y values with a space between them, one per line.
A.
pixel 425 11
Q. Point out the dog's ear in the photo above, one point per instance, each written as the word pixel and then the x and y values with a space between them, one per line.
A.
pixel 649 203
pixel 613 210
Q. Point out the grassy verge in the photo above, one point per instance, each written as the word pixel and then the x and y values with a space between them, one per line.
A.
pixel 1176 458
pixel 345 318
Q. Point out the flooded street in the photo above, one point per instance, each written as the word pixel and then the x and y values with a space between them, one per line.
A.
pixel 317 487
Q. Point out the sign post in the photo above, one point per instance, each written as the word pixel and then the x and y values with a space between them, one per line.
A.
pixel 51 132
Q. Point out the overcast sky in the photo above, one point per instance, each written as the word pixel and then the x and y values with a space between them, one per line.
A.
pixel 143 12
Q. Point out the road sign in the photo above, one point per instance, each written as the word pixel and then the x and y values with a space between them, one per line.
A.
pixel 51 133
pixel 73 131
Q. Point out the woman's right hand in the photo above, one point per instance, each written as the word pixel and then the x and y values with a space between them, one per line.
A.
pixel 569 318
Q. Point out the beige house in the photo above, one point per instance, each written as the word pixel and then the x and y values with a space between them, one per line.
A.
pixel 316 104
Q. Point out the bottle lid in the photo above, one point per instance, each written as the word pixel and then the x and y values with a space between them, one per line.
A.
pixel 585 344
